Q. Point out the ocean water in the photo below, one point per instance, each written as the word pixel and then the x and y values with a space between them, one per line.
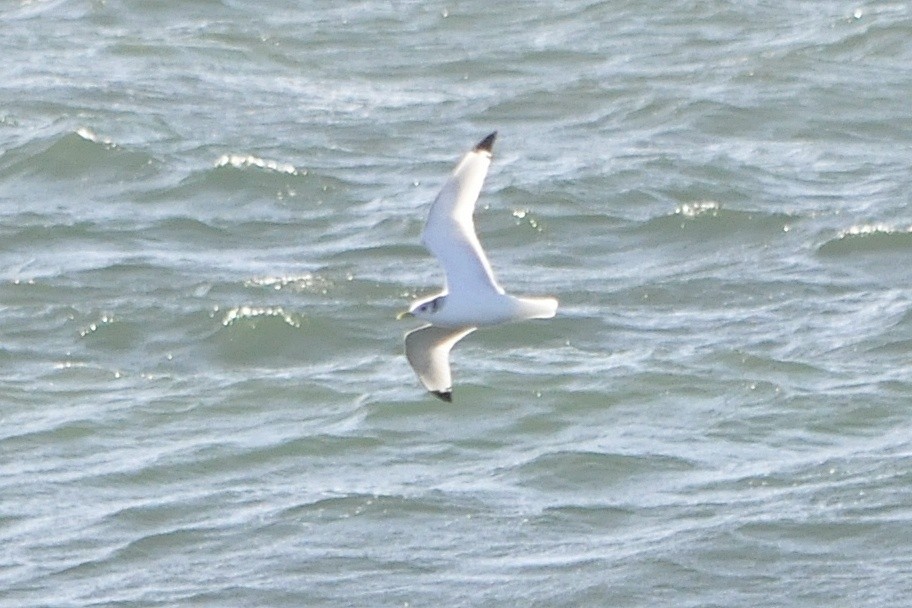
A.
pixel 210 216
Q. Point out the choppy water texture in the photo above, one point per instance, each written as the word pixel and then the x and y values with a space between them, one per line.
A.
pixel 210 215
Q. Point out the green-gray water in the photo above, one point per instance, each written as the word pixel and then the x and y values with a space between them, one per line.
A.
pixel 210 216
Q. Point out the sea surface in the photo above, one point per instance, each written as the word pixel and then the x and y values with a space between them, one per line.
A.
pixel 210 215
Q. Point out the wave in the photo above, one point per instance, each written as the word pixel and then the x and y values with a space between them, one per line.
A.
pixel 249 313
pixel 76 155
pixel 301 283
pixel 275 335
pixel 868 238
pixel 249 177
pixel 379 506
pixel 710 219
pixel 568 469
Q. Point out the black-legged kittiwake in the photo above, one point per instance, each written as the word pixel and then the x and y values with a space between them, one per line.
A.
pixel 471 297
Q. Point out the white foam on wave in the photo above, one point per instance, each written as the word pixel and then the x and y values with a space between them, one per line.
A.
pixel 90 135
pixel 710 208
pixel 251 312
pixel 242 161
pixel 307 282
pixel 870 229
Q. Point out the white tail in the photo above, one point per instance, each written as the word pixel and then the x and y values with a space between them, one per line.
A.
pixel 537 308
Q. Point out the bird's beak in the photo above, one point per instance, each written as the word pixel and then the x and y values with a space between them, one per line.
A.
pixel 405 314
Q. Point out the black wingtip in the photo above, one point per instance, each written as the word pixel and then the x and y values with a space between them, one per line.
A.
pixel 445 395
pixel 487 143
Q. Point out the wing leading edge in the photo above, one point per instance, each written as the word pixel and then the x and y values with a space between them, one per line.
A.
pixel 449 233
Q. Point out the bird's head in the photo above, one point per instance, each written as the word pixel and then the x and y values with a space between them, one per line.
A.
pixel 424 310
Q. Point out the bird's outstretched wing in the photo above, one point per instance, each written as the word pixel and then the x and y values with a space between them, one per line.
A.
pixel 450 232
pixel 428 351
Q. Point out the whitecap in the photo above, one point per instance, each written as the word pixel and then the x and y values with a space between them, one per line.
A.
pixel 90 135
pixel 306 282
pixel 249 312
pixel 711 208
pixel 242 161
pixel 869 229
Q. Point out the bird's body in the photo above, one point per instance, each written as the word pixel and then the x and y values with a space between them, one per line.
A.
pixel 472 297
pixel 455 310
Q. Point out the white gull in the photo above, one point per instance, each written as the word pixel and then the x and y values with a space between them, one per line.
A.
pixel 471 297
